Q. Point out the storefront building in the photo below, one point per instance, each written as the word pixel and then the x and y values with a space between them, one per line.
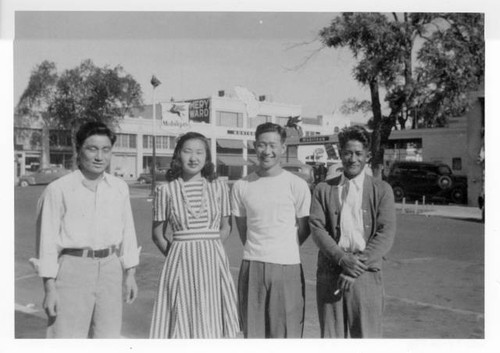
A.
pixel 228 121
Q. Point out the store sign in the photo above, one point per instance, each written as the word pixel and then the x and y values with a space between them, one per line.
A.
pixel 175 115
pixel 199 110
pixel 240 132
pixel 314 139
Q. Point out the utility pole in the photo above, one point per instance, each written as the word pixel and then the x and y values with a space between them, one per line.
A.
pixel 155 83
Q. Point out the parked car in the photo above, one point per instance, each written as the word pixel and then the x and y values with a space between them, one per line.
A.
pixel 43 176
pixel 434 181
pixel 302 170
pixel 147 178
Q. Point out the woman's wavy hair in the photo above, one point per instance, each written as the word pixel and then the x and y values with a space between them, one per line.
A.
pixel 175 171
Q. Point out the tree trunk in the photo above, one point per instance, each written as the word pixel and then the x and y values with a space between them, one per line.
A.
pixel 377 159
pixel 74 159
pixel 45 157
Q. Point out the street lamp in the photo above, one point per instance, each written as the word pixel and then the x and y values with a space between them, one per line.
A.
pixel 155 83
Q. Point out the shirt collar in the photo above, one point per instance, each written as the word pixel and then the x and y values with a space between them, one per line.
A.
pixel 357 180
pixel 106 177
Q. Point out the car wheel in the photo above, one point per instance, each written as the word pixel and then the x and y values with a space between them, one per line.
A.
pixel 457 195
pixel 142 181
pixel 444 182
pixel 23 183
pixel 399 193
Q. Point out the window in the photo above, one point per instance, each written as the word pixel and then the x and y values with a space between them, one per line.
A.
pixel 456 163
pixel 162 142
pixel 444 170
pixel 259 119
pixel 126 141
pixel 230 119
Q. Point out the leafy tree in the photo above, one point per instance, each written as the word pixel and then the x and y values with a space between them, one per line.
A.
pixel 33 106
pixel 449 53
pixel 87 93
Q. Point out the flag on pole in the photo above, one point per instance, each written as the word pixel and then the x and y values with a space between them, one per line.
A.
pixel 155 82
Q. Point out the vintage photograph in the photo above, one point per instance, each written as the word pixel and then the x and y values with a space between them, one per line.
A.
pixel 249 174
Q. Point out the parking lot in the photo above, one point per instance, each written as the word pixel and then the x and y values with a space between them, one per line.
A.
pixel 434 275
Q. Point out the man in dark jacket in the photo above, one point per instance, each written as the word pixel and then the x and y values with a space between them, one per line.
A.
pixel 353 222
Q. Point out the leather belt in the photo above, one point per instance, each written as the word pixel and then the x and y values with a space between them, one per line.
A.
pixel 101 253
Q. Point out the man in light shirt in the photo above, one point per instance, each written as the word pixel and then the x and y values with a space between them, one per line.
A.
pixel 85 240
pixel 353 222
pixel 271 207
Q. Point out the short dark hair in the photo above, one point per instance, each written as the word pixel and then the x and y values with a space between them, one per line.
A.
pixel 90 129
pixel 271 127
pixel 175 171
pixel 357 133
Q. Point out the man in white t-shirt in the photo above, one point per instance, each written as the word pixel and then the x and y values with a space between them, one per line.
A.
pixel 271 207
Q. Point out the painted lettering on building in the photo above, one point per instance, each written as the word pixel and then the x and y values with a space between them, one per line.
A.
pixel 199 110
pixel 175 115
pixel 315 139
pixel 240 132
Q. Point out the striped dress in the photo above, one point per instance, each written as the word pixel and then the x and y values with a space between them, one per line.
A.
pixel 196 296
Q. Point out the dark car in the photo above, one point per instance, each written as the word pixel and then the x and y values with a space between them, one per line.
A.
pixel 43 176
pixel 436 182
pixel 147 178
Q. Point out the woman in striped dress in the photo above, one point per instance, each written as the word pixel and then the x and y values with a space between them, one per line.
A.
pixel 196 296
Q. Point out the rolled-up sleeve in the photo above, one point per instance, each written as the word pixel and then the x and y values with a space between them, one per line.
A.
pixel 48 225
pixel 129 250
pixel 237 206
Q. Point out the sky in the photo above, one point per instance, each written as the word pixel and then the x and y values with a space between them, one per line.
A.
pixel 196 54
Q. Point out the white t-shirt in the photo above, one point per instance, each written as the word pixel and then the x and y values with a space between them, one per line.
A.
pixel 271 206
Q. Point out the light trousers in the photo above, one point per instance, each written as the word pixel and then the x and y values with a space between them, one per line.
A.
pixel 271 300
pixel 89 298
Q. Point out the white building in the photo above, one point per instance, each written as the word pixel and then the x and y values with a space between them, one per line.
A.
pixel 229 121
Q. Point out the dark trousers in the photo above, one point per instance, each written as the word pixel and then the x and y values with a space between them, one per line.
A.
pixel 356 313
pixel 271 300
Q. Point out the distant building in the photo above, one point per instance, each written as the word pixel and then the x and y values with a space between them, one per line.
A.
pixel 229 121
pixel 457 145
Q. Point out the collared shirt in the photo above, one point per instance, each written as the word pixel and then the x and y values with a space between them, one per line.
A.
pixel 351 216
pixel 72 216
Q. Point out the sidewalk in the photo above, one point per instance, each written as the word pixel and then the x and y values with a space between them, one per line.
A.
pixel 450 211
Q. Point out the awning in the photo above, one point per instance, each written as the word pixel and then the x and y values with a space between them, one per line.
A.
pixel 234 144
pixel 232 161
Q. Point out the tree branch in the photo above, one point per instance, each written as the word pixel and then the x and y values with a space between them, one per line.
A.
pixel 306 59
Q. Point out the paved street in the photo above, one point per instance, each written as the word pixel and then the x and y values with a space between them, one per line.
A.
pixel 434 276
